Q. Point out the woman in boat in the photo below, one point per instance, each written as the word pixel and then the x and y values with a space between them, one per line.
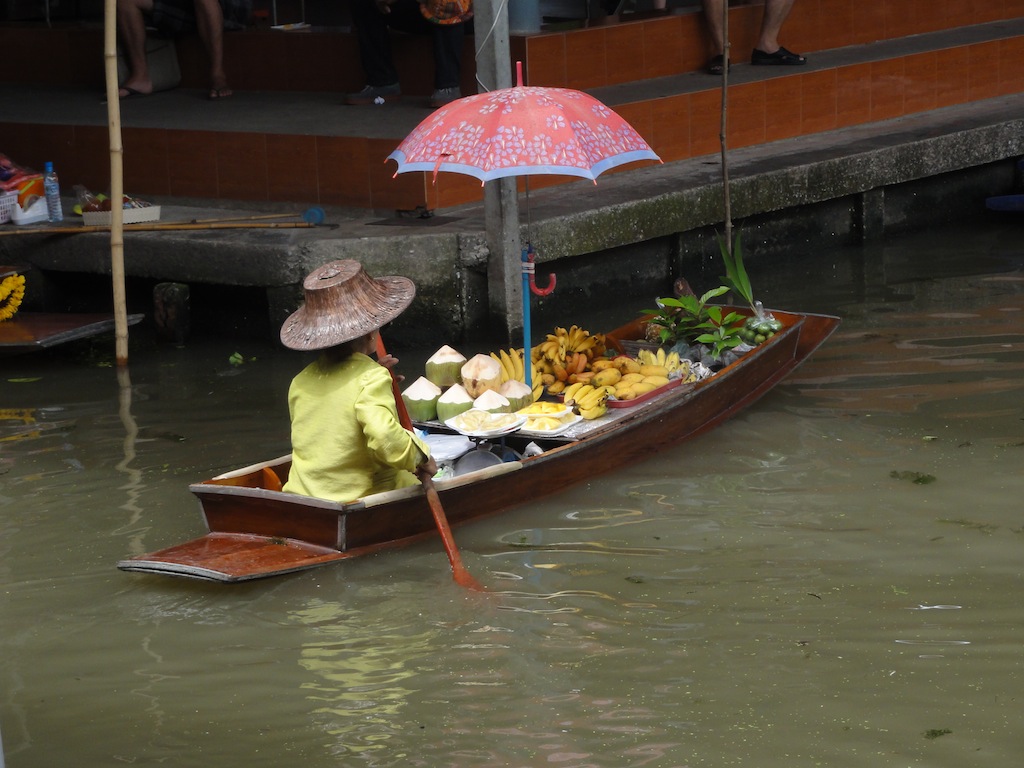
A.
pixel 347 441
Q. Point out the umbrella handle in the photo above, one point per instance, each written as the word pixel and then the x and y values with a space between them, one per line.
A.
pixel 528 270
pixel 543 291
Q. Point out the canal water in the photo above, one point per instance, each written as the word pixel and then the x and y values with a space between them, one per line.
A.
pixel 833 578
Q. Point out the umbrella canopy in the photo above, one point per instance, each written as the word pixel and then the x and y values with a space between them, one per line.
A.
pixel 522 131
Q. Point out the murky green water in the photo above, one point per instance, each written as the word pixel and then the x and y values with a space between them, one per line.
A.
pixel 769 595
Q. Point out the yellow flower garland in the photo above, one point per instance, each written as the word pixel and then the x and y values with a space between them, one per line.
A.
pixel 12 292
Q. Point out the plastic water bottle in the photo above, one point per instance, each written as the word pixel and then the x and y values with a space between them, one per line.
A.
pixel 51 188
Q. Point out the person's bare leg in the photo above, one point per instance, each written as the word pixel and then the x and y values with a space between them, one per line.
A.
pixel 713 16
pixel 775 14
pixel 131 25
pixel 210 25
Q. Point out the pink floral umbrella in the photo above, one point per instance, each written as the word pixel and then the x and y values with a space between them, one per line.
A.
pixel 522 131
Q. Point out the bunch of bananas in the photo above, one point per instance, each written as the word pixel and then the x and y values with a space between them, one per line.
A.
pixel 564 357
pixel 513 368
pixel 590 401
pixel 512 365
pixel 558 345
pixel 670 361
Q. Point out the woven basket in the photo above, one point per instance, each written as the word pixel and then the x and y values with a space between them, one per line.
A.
pixel 7 202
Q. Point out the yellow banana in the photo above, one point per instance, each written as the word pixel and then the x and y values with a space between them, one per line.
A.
pixel 520 363
pixel 595 412
pixel 571 390
pixel 585 344
pixel 654 370
pixel 592 399
pixel 508 369
pixel 661 357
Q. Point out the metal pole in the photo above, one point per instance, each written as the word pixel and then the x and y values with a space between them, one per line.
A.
pixel 501 202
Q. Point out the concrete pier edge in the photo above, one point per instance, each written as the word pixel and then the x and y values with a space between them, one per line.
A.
pixel 639 226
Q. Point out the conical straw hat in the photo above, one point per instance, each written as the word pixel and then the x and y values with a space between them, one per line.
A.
pixel 343 303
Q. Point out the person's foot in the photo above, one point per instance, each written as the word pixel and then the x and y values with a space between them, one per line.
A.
pixel 133 89
pixel 222 92
pixel 375 94
pixel 716 64
pixel 781 56
pixel 443 96
pixel 129 93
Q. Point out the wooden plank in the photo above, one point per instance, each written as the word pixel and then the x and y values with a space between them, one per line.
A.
pixel 38 330
pixel 233 557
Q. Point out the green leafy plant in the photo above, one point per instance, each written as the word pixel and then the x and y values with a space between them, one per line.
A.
pixel 736 277
pixel 681 319
pixel 721 333
pixel 693 320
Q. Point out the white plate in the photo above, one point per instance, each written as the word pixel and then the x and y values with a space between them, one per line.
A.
pixel 552 432
pixel 455 422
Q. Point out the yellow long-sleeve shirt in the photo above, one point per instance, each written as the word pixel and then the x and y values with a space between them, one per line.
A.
pixel 347 441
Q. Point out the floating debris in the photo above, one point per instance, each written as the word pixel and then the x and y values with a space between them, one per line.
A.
pixel 919 478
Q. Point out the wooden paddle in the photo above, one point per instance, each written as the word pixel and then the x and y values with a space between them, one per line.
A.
pixel 462 577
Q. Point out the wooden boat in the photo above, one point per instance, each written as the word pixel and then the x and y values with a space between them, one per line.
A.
pixel 256 530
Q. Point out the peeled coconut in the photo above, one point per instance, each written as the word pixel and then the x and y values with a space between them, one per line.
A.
pixel 421 399
pixel 480 374
pixel 492 402
pixel 517 393
pixel 454 401
pixel 444 367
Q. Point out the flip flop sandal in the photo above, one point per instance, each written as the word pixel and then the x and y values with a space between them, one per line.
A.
pixel 781 56
pixel 716 64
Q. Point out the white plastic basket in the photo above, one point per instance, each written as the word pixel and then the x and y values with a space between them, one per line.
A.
pixel 130 216
pixel 7 202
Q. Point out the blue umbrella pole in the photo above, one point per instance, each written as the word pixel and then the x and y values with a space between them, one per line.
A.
pixel 527 274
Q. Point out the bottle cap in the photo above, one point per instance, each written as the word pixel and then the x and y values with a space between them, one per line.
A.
pixel 48 167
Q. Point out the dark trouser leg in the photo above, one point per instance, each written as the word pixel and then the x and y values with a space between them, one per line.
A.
pixel 374 39
pixel 448 39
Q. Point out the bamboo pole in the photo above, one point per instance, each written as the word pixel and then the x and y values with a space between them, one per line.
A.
pixel 157 226
pixel 116 183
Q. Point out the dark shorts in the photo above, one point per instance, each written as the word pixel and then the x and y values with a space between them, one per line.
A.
pixel 172 17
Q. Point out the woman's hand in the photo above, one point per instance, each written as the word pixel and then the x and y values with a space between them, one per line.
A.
pixel 389 362
pixel 426 470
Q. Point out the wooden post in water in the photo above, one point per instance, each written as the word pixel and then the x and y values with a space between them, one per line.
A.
pixel 116 182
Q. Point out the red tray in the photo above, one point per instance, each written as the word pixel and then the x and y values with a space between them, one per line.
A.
pixel 672 384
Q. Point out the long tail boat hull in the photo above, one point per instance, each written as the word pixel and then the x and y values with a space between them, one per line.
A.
pixel 255 530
